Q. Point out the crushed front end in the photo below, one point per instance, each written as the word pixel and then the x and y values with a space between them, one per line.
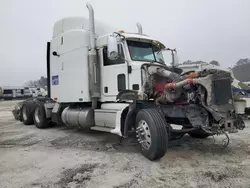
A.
pixel 200 100
pixel 217 99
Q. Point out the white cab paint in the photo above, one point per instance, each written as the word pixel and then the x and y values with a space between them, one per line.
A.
pixel 108 118
pixel 69 70
pixel 71 67
pixel 114 106
pixel 109 78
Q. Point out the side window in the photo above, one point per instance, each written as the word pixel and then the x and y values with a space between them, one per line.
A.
pixel 108 62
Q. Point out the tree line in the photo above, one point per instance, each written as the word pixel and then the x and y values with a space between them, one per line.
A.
pixel 241 69
pixel 42 83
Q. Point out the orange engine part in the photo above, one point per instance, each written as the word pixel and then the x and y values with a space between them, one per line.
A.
pixel 192 75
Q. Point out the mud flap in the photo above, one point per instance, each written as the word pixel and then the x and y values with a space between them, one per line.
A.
pixel 17 110
pixel 131 111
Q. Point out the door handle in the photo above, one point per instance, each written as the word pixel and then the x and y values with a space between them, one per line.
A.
pixel 129 69
pixel 55 54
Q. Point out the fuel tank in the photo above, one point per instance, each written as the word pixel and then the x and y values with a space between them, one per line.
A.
pixel 78 117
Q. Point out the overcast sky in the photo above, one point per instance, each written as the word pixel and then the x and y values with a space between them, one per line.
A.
pixel 199 29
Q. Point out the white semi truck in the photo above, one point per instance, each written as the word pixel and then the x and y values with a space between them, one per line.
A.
pixel 118 82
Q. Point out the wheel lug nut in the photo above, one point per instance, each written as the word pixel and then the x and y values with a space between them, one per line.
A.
pixel 142 133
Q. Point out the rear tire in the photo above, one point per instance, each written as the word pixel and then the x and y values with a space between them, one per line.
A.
pixel 155 137
pixel 199 133
pixel 39 117
pixel 27 111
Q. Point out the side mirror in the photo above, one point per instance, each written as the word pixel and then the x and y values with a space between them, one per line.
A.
pixel 113 53
pixel 174 57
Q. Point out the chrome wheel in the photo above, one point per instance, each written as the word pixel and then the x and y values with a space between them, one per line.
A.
pixel 37 115
pixel 143 134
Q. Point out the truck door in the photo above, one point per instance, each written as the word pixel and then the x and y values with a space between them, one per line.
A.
pixel 114 74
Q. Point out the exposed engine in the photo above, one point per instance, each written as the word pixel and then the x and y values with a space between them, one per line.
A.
pixel 201 94
pixel 168 87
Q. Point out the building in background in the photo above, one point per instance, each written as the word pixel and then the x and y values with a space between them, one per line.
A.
pixel 16 92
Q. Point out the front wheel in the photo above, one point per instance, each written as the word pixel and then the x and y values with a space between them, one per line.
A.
pixel 151 133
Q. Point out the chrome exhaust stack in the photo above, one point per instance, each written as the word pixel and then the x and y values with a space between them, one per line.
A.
pixel 139 28
pixel 93 65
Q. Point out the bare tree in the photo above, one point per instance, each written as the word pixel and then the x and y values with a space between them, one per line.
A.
pixel 187 62
pixel 215 63
pixel 42 82
pixel 241 70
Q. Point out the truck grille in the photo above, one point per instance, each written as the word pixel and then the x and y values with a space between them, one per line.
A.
pixel 222 91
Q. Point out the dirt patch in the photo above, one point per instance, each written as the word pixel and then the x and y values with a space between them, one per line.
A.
pixel 224 173
pixel 80 143
pixel 77 176
pixel 130 184
pixel 39 185
pixel 16 141
pixel 112 144
pixel 26 140
pixel 209 146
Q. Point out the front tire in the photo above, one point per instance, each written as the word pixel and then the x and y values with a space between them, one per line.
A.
pixel 39 117
pixel 151 133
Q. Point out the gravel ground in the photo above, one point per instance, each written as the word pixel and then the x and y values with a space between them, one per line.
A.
pixel 64 157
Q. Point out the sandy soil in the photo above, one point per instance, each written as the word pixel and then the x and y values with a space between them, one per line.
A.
pixel 63 157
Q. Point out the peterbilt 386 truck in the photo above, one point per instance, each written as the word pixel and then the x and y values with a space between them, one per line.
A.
pixel 118 82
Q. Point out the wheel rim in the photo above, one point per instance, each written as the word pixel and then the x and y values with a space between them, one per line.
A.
pixel 143 134
pixel 37 115
pixel 24 112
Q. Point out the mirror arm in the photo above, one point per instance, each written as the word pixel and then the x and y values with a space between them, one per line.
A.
pixel 172 54
pixel 119 34
pixel 123 58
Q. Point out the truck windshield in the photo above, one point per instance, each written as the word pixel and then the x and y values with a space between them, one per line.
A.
pixel 143 51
